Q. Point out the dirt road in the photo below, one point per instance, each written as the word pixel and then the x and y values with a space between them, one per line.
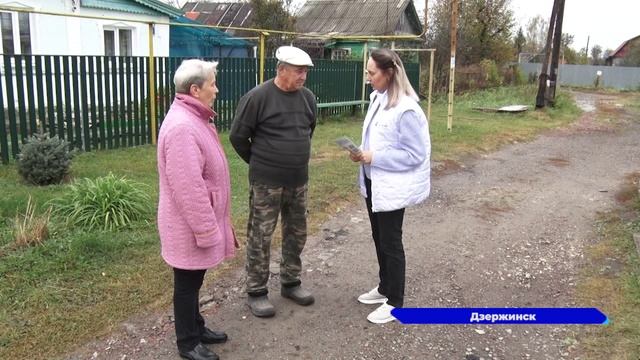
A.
pixel 507 229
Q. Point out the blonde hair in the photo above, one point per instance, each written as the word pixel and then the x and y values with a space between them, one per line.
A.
pixel 399 85
pixel 193 72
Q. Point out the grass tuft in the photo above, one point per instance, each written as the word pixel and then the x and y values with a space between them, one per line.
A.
pixel 30 229
pixel 106 203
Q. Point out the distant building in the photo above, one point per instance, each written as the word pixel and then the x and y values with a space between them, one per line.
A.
pixel 42 34
pixel 125 33
pixel 618 56
pixel 354 17
pixel 225 14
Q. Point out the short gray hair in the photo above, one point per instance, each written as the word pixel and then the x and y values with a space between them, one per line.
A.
pixel 193 72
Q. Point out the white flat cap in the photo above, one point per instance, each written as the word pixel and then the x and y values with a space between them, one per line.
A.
pixel 293 55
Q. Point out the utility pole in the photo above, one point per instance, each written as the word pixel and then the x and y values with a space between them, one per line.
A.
pixel 544 75
pixel 452 65
pixel 586 50
pixel 426 16
pixel 555 57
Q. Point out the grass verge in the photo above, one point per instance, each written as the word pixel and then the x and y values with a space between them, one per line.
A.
pixel 611 281
pixel 79 285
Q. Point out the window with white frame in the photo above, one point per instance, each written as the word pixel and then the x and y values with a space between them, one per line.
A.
pixel 340 54
pixel 118 42
pixel 15 31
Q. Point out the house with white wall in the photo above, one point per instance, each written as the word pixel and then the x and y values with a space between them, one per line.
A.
pixel 115 27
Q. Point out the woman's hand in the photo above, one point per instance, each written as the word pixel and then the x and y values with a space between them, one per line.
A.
pixel 366 157
pixel 355 157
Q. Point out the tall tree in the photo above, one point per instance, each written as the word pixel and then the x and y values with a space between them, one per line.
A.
pixel 536 34
pixel 519 41
pixel 596 55
pixel 484 32
pixel 273 15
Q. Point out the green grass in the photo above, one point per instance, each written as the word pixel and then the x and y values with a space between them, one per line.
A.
pixel 80 284
pixel 474 131
pixel 611 282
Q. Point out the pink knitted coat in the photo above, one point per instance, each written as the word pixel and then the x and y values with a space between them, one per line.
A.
pixel 194 218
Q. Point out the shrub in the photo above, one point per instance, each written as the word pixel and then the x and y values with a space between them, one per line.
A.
pixel 44 160
pixel 30 229
pixel 491 73
pixel 106 203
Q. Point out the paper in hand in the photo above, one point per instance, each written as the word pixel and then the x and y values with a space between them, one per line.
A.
pixel 348 145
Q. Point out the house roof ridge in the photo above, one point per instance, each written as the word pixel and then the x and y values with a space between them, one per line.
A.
pixel 161 7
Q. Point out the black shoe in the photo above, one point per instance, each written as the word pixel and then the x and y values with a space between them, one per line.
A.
pixel 299 295
pixel 200 352
pixel 213 337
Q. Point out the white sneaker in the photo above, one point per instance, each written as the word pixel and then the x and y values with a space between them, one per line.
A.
pixel 382 314
pixel 372 297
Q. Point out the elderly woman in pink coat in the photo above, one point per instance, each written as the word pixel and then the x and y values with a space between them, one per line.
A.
pixel 194 207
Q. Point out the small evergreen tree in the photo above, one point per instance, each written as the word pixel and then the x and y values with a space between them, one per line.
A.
pixel 44 160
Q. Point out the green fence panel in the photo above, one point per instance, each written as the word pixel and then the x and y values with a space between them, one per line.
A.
pixel 59 79
pixel 100 124
pixel 86 135
pixel 11 104
pixel 100 102
pixel 51 115
pixel 31 95
pixel 77 119
pixel 129 103
pixel 144 118
pixel 40 95
pixel 108 116
pixel 93 120
pixel 22 106
pixel 115 108
pixel 135 119
pixel 4 141
pixel 68 114
pixel 121 130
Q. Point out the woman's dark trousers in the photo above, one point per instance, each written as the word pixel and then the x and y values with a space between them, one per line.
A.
pixel 186 307
pixel 386 228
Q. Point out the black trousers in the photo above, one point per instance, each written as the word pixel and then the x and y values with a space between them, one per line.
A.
pixel 386 229
pixel 186 307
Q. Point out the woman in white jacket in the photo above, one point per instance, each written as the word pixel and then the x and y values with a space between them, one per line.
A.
pixel 394 173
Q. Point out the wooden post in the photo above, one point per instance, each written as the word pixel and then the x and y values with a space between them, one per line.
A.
pixel 263 35
pixel 555 55
pixel 452 65
pixel 431 60
pixel 544 74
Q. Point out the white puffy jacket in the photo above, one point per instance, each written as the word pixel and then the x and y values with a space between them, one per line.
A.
pixel 393 190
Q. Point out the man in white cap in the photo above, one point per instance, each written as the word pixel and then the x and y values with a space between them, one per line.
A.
pixel 272 132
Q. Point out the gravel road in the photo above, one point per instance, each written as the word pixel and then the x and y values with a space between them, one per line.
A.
pixel 506 229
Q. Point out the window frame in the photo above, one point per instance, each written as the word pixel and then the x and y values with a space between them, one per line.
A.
pixel 16 36
pixel 116 30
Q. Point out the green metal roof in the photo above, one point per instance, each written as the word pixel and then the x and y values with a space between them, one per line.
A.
pixel 146 7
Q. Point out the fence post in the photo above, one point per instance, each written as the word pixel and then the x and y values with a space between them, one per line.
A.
pixel 152 88
pixel 263 35
pixel 365 57
pixel 430 84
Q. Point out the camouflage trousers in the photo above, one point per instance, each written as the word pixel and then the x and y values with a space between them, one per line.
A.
pixel 266 202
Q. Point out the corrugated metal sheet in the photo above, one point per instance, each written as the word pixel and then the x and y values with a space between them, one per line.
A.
pixel 146 7
pixel 358 17
pixel 585 75
pixel 222 14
